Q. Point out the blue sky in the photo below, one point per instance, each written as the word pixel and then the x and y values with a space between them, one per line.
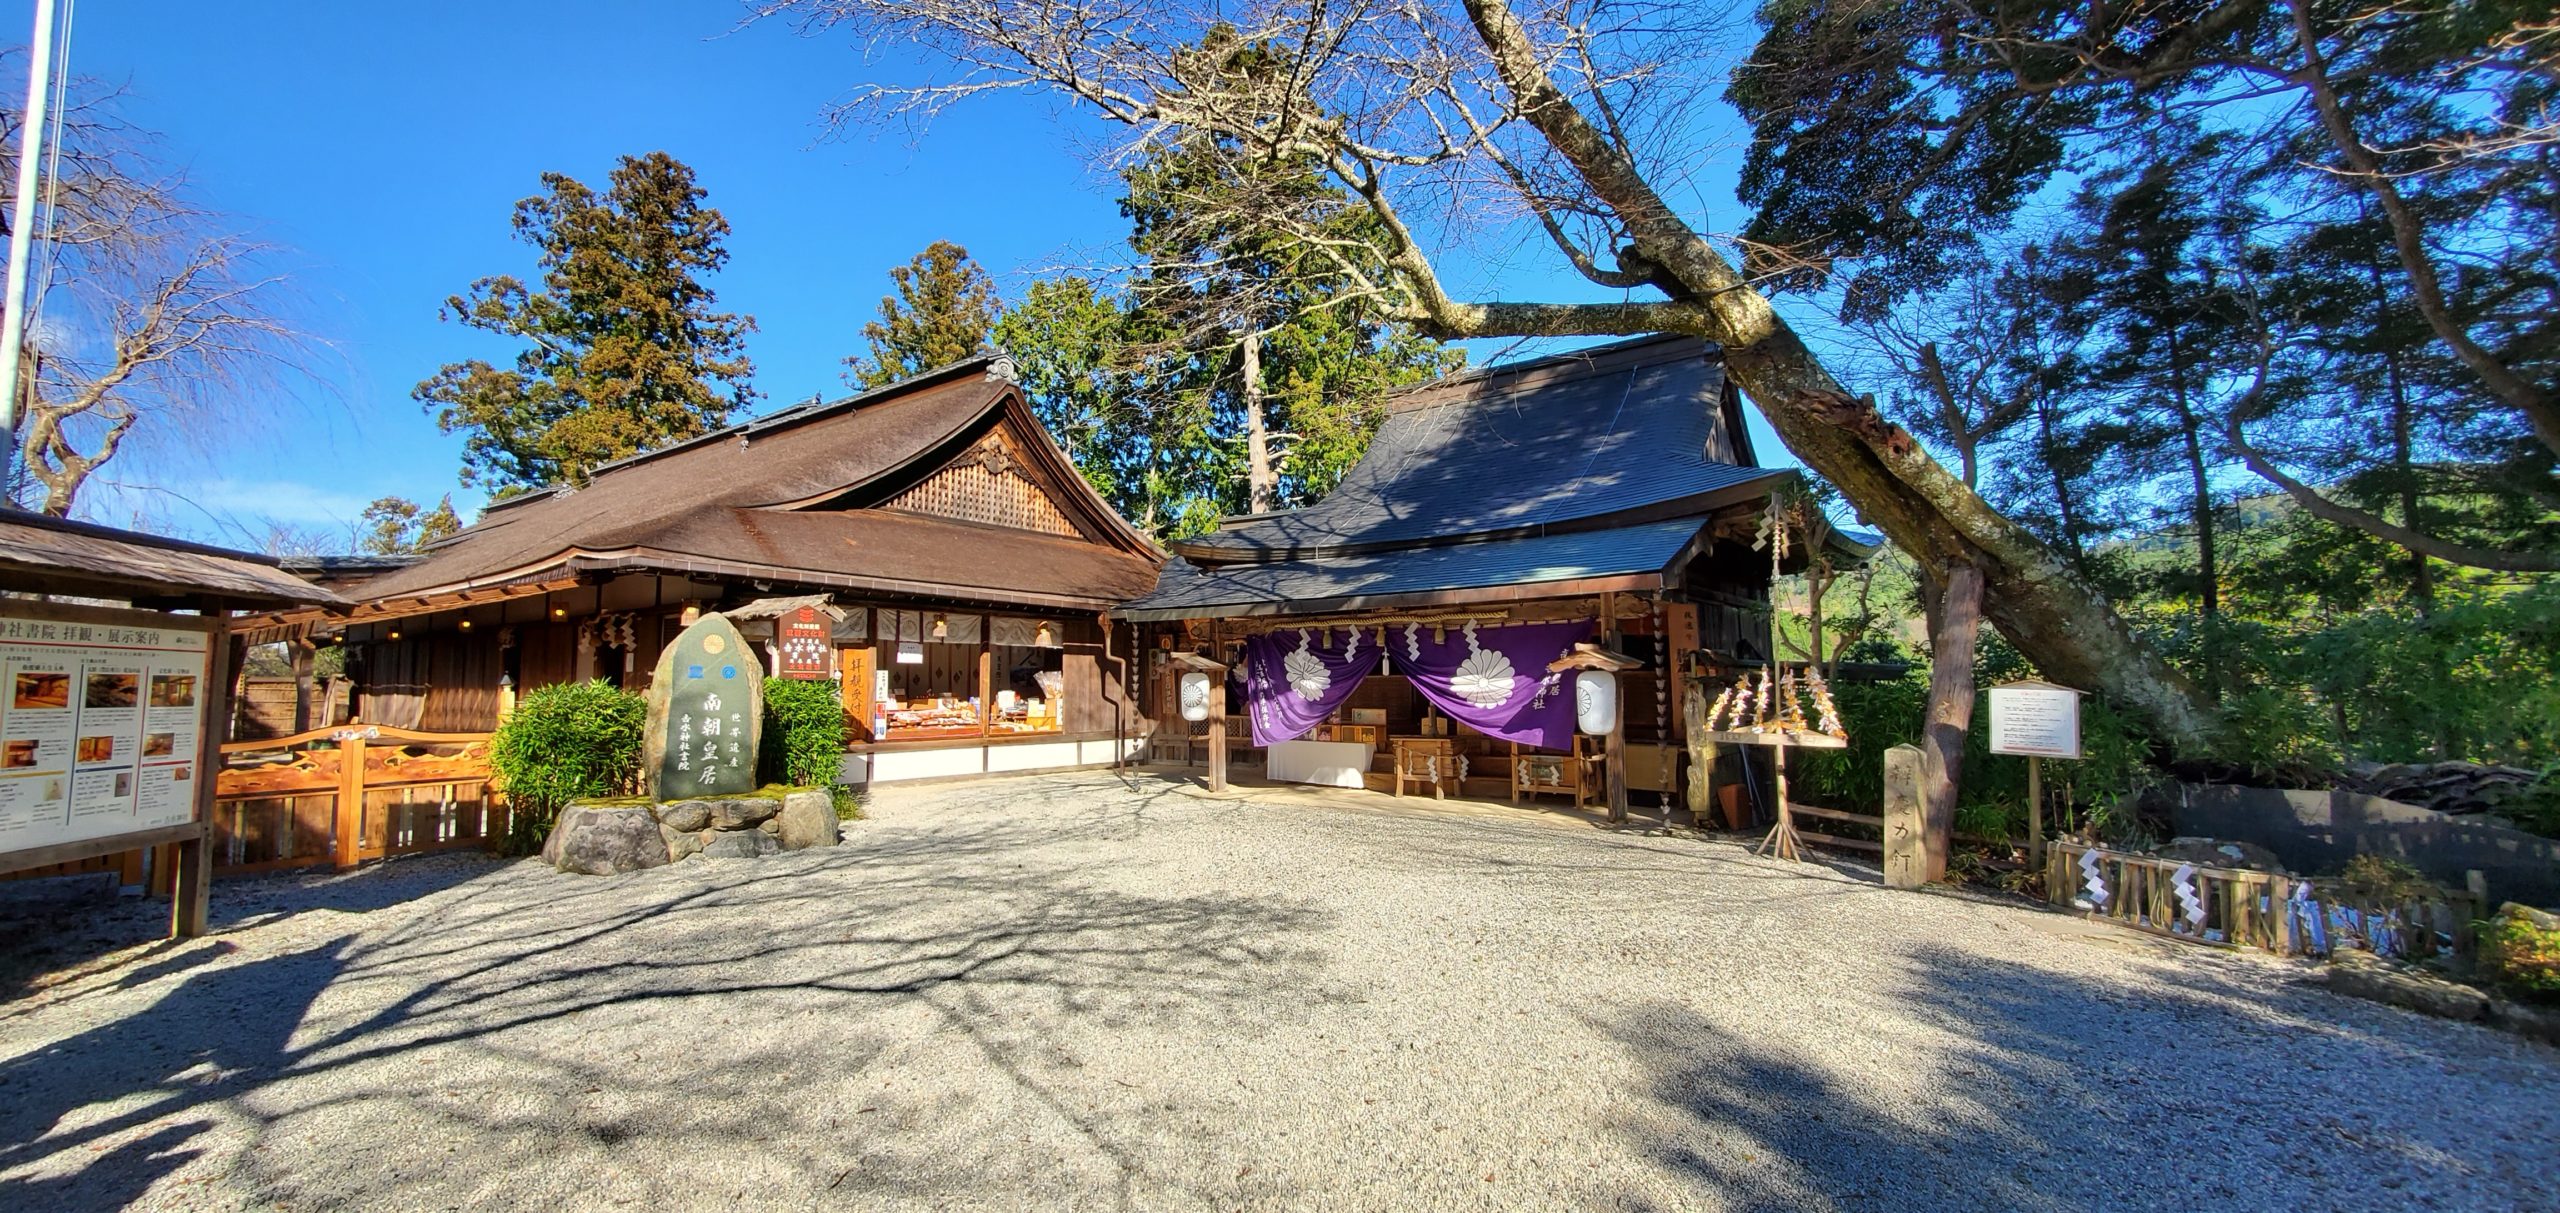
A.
pixel 381 147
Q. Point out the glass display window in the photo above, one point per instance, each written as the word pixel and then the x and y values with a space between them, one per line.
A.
pixel 930 663
pixel 1031 688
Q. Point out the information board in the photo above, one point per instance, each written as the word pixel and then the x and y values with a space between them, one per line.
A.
pixel 2037 719
pixel 807 641
pixel 99 729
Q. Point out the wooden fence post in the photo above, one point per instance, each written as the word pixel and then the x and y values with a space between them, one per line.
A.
pixel 1906 860
pixel 191 861
pixel 350 823
pixel 2036 812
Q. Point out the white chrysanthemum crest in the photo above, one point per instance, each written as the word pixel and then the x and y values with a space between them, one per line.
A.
pixel 1484 678
pixel 1305 671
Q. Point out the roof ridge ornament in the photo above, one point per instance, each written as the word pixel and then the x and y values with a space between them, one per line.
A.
pixel 1000 365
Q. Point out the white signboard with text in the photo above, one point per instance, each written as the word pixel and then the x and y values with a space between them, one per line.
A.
pixel 99 727
pixel 2036 719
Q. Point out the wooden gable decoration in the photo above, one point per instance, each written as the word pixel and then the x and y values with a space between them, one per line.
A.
pixel 991 484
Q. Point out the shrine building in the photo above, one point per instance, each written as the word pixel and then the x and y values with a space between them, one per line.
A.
pixel 1414 628
pixel 925 544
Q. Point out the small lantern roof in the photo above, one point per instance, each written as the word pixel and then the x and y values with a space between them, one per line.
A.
pixel 1589 656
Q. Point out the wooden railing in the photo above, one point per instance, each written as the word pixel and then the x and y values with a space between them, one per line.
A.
pixel 1875 821
pixel 348 794
pixel 2290 915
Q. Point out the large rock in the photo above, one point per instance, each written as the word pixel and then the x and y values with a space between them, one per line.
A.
pixel 740 844
pixel 706 712
pixel 2540 920
pixel 743 813
pixel 2360 974
pixel 2217 853
pixel 2539 1022
pixel 685 815
pixel 602 841
pixel 809 820
pixel 680 843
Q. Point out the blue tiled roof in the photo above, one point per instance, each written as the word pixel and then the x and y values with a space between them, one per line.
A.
pixel 1352 581
pixel 1579 436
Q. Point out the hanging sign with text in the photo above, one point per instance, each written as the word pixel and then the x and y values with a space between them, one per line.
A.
pixel 2036 719
pixel 99 728
pixel 807 640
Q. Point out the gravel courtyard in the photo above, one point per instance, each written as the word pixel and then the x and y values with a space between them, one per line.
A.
pixel 1074 992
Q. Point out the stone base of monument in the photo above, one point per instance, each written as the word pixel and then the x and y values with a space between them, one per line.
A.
pixel 600 839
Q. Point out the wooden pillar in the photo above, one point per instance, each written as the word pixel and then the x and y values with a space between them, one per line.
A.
pixel 1786 815
pixel 986 680
pixel 1905 858
pixel 1613 748
pixel 1217 711
pixel 305 658
pixel 191 892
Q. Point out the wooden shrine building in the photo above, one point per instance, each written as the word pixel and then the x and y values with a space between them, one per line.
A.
pixel 1614 484
pixel 925 543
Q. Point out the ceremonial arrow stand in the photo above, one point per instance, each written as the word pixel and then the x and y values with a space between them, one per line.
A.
pixel 1782 840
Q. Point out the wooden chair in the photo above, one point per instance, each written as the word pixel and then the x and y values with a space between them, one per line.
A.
pixel 1430 761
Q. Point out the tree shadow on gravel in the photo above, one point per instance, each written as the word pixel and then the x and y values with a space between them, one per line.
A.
pixel 523 1042
pixel 220 1033
pixel 70 933
pixel 2011 1087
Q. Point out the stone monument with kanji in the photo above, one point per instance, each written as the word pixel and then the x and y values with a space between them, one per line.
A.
pixel 706 710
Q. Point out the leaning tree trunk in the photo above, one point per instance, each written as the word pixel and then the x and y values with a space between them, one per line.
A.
pixel 2056 617
pixel 1953 627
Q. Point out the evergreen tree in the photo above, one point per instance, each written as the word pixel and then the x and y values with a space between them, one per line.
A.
pixel 395 526
pixel 2147 280
pixel 944 310
pixel 1237 374
pixel 1147 445
pixel 1285 349
pixel 624 351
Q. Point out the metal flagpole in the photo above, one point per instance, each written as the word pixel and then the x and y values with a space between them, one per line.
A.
pixel 22 211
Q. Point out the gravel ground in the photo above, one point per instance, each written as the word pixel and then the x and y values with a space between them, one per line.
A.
pixel 1070 992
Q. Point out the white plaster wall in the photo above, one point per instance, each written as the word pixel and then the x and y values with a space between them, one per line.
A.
pixel 1031 756
pixel 925 764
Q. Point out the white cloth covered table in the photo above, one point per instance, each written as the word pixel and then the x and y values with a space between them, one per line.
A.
pixel 1336 764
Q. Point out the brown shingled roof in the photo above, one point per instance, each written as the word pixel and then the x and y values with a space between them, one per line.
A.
pixel 890 551
pixel 784 494
pixel 40 554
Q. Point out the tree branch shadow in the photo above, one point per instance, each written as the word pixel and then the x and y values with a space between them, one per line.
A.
pixel 739 1004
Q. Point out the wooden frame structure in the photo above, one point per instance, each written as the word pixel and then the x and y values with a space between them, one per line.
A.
pixel 1193 663
pixel 357 799
pixel 157 576
pixel 1782 839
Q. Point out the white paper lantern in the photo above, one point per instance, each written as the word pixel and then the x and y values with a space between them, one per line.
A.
pixel 1195 696
pixel 1595 701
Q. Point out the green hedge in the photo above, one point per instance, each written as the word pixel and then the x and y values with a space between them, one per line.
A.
pixel 564 742
pixel 803 732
